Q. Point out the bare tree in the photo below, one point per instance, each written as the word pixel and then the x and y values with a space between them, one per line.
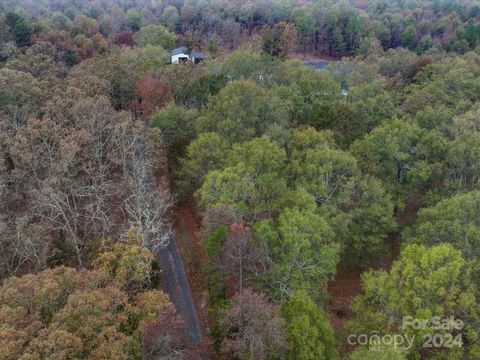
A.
pixel 253 328
pixel 241 255
pixel 164 338
pixel 98 119
pixel 147 206
pixel 58 204
pixel 28 245
pixel 79 174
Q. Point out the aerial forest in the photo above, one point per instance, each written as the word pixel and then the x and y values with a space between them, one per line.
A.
pixel 240 180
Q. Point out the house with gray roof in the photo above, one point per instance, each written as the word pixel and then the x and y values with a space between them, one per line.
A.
pixel 181 54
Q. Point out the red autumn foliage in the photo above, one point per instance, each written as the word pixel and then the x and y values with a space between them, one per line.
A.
pixel 166 338
pixel 124 38
pixel 150 95
pixel 252 326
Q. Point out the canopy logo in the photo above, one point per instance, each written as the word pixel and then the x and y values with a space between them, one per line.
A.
pixel 434 333
pixel 377 341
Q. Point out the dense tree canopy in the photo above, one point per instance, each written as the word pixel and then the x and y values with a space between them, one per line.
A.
pixel 291 178
pixel 63 313
pixel 303 252
pixel 454 221
pixel 243 110
pixel 307 329
pixel 422 283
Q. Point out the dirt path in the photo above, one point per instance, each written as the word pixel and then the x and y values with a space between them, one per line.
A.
pixel 347 283
pixel 187 227
pixel 342 290
pixel 174 278
pixel 176 286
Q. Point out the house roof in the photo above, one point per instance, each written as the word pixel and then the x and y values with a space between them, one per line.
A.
pixel 198 55
pixel 180 50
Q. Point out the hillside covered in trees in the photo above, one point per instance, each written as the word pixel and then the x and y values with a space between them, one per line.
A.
pixel 275 178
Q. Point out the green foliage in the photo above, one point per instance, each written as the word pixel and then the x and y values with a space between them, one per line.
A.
pixel 261 141
pixel 463 161
pixel 155 35
pixel 278 40
pixel 177 125
pixel 367 221
pixel 213 246
pixel 62 253
pixel 253 181
pixel 403 155
pixel 308 330
pixel 422 283
pixel 204 154
pixel 308 83
pixel 12 18
pixel 386 353
pixel 200 90
pixel 241 111
pixel 306 138
pixel 214 241
pixel 354 122
pixel 21 94
pixel 303 252
pixel 425 43
pixel 447 83
pixel 408 37
pixel 466 123
pixel 61 21
pixel 305 27
pixel 72 58
pixel 171 17
pixel 324 172
pixel 248 65
pixel 133 18
pixel 147 58
pixel 397 62
pixel 21 29
pixel 122 75
pixel 438 117
pixel 452 221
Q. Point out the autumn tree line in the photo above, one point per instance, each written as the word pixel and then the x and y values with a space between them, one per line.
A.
pixel 80 221
pixel 291 178
pixel 321 27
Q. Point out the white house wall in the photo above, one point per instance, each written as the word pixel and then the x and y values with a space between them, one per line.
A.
pixel 176 58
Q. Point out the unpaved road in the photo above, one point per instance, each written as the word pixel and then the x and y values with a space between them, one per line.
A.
pixel 177 287
pixel 173 273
